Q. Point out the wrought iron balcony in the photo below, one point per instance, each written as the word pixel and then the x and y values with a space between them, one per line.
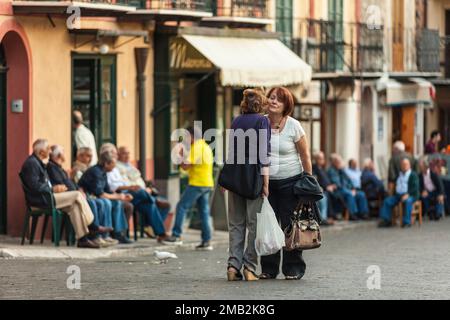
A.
pixel 332 46
pixel 190 5
pixel 241 8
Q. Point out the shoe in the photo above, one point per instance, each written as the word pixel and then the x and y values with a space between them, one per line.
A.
pixel 407 225
pixel 87 244
pixel 384 224
pixel 101 243
pixel 250 275
pixel 365 217
pixel 102 229
pixel 172 240
pixel 111 241
pixel 124 240
pixel 149 232
pixel 266 276
pixel 204 246
pixel 233 274
pixel 353 218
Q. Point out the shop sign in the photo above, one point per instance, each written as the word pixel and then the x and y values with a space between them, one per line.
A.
pixel 184 56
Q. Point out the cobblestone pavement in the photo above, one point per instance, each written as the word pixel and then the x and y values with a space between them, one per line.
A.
pixel 414 264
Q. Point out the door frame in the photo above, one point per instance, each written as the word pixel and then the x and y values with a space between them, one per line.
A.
pixel 97 97
pixel 3 141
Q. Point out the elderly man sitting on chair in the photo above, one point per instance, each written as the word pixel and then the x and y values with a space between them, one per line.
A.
pixel 133 176
pixel 74 203
pixel 406 191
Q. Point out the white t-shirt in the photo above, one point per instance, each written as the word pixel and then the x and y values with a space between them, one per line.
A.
pixel 84 138
pixel 285 161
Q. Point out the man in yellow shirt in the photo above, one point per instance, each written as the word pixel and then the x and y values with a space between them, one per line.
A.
pixel 199 167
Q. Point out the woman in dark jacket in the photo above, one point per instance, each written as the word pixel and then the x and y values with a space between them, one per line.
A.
pixel 242 211
pixel 431 190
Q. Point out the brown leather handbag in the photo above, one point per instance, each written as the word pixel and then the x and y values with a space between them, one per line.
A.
pixel 304 232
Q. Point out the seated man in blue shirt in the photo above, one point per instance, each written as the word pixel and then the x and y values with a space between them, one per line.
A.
pixel 406 191
pixel 95 182
pixel 354 173
pixel 355 200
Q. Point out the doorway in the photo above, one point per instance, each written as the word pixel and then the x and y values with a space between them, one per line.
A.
pixel 404 126
pixel 94 95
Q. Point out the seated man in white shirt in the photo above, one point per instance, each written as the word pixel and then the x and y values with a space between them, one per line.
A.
pixel 142 200
pixel 354 173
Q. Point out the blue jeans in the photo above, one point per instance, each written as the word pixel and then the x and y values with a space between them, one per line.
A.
pixel 357 204
pixel 145 203
pixel 390 202
pixel 323 207
pixel 190 196
pixel 432 196
pixel 119 222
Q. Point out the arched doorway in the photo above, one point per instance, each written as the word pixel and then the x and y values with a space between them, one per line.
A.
pixel 366 150
pixel 17 132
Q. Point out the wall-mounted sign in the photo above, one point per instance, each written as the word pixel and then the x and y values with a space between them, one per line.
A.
pixel 185 56
pixel 17 106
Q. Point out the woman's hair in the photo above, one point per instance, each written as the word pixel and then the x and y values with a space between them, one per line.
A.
pixel 286 97
pixel 253 101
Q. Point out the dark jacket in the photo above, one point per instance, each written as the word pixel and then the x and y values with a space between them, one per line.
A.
pixel 371 185
pixel 35 178
pixel 58 175
pixel 322 176
pixel 94 181
pixel 394 165
pixel 340 179
pixel 414 186
pixel 436 182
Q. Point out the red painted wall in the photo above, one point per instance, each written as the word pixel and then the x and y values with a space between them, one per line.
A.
pixel 18 59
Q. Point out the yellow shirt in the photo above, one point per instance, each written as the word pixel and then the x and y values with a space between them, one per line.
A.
pixel 201 158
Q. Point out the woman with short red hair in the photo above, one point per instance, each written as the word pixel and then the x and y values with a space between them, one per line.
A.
pixel 289 158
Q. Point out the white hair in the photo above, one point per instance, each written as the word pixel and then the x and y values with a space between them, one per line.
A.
pixel 367 162
pixel 400 146
pixel 39 145
pixel 57 150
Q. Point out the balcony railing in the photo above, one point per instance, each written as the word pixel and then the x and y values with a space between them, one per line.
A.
pixel 241 8
pixel 331 46
pixel 191 5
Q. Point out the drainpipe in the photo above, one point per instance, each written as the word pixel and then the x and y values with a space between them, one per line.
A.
pixel 141 55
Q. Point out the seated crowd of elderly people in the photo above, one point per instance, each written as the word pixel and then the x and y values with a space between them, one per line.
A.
pixel 352 189
pixel 100 198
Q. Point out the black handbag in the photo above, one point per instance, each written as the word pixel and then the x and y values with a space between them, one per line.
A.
pixel 244 180
pixel 307 189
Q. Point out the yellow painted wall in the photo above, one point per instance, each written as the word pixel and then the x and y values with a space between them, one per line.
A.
pixel 51 49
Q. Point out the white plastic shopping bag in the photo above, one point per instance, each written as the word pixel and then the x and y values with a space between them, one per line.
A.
pixel 269 235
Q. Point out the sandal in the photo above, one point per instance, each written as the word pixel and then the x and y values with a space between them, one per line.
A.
pixel 250 275
pixel 233 274
pixel 266 276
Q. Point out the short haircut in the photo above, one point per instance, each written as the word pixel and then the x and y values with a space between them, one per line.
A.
pixel 56 151
pixel 399 145
pixel 434 134
pixel 77 117
pixel 39 145
pixel 253 101
pixel 195 132
pixel 106 158
pixel 84 150
pixel 285 96
pixel 367 162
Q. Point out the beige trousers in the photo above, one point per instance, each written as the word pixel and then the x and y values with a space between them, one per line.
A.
pixel 76 206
